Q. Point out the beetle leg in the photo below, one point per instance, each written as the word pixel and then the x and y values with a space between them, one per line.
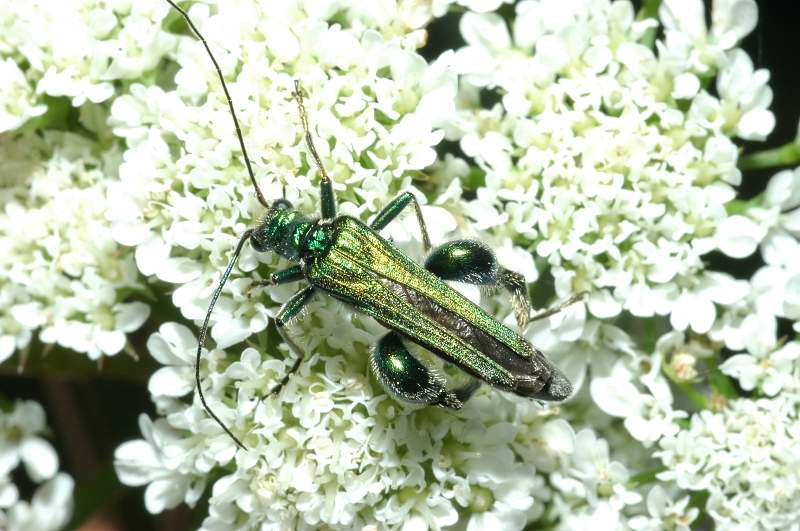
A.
pixel 466 391
pixel 291 274
pixel 514 283
pixel 407 379
pixel 560 306
pixel 327 198
pixel 394 208
pixel 473 262
pixel 290 310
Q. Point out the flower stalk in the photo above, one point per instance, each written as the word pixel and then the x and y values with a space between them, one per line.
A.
pixel 779 157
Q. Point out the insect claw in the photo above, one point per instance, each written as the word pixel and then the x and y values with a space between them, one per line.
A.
pixel 298 91
pixel 272 392
pixel 451 401
pixel 277 388
pixel 271 281
pixel 558 308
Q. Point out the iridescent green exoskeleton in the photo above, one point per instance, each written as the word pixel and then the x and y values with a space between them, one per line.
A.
pixel 349 260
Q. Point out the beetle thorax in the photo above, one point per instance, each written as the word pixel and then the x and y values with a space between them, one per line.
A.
pixel 282 230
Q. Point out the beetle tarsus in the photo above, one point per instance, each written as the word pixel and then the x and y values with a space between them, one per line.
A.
pixel 569 301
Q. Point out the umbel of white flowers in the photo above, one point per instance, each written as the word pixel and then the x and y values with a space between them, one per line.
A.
pixel 608 165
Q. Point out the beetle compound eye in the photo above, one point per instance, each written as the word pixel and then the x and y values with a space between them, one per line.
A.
pixel 282 204
pixel 258 240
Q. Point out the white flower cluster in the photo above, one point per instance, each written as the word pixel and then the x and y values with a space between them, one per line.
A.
pixel 16 97
pixel 21 442
pixel 613 161
pixel 610 159
pixel 78 48
pixel 746 456
pixel 62 272
pixel 607 165
pixel 330 451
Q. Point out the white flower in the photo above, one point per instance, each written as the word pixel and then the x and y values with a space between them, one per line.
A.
pixel 688 36
pixel 738 236
pixel 482 6
pixel 327 426
pixel 500 494
pixel 648 415
pixel 665 513
pixel 682 354
pixel 173 346
pixel 605 166
pixel 215 203
pixel 769 371
pixel 156 461
pixel 570 157
pixel 83 46
pixel 49 510
pixel 750 322
pixel 777 215
pixel 695 305
pixel 21 441
pixel 547 445
pixel 781 215
pixel 745 97
pixel 594 477
pixel 17 102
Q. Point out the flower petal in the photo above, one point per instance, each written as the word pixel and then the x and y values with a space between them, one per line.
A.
pixel 39 458
pixel 738 236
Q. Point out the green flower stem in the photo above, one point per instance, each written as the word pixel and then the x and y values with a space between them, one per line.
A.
pixel 651 334
pixel 694 395
pixel 720 382
pixel 786 155
pixel 649 10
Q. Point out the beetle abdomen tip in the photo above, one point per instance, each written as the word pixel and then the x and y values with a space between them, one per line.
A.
pixel 558 388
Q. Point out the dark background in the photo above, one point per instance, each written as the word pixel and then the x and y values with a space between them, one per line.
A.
pixel 92 412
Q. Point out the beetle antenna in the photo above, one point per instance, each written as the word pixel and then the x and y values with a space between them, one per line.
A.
pixel 298 96
pixel 228 97
pixel 202 339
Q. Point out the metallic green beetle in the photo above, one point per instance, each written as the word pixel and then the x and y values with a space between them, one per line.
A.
pixel 342 257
